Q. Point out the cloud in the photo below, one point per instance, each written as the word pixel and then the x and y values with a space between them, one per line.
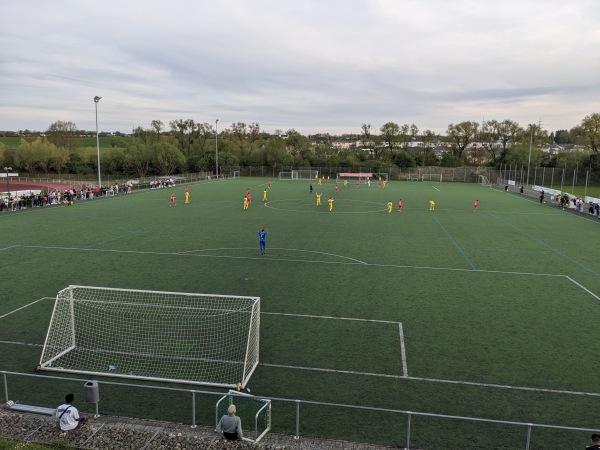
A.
pixel 309 65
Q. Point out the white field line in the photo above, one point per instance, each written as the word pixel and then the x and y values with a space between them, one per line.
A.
pixel 21 343
pixel 330 317
pixel 397 266
pixel 434 380
pixel 193 252
pixel 403 351
pixel 317 369
pixel 582 287
pixel 400 329
pixel 23 307
pixel 435 188
pixel 8 248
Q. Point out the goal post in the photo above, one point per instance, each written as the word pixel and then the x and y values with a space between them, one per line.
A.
pixel 234 174
pixel 431 177
pixel 484 181
pixel 288 176
pixel 254 412
pixel 352 176
pixel 383 176
pixel 305 174
pixel 176 337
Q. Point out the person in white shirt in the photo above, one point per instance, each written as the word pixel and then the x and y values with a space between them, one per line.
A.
pixel 68 416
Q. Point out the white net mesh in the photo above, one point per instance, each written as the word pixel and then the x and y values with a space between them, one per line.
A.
pixel 180 337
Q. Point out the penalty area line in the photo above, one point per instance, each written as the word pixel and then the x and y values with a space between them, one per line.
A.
pixel 21 343
pixel 330 317
pixel 403 351
pixel 435 380
pixel 582 287
pixel 23 307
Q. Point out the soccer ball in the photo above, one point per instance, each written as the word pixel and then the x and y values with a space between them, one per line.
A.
pixel 238 386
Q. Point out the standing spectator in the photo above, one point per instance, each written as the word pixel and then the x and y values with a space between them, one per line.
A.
pixel 68 416
pixel 230 425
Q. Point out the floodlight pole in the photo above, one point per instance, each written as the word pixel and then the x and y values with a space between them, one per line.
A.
pixel 217 148
pixel 530 144
pixel 7 185
pixel 96 100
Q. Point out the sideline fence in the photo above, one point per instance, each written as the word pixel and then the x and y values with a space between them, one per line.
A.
pixel 399 433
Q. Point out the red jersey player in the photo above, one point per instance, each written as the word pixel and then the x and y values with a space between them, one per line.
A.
pixel 400 205
pixel 172 200
pixel 475 205
pixel 337 188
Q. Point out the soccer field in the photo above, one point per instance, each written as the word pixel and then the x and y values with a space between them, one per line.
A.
pixel 489 314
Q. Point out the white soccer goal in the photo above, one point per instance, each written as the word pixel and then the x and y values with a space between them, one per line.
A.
pixel 431 177
pixel 293 175
pixel 304 174
pixel 235 174
pixel 383 176
pixel 254 412
pixel 164 336
pixel 484 181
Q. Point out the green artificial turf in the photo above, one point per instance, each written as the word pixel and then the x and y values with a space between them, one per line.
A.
pixel 496 309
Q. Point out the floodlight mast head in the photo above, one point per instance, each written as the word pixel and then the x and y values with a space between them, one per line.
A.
pixel 97 99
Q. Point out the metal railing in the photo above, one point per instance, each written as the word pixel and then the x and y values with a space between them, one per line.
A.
pixel 529 427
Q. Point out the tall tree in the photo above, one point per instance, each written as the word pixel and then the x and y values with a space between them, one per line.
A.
pixel 461 135
pixel 588 133
pixel 390 134
pixel 63 134
pixel 167 159
pixel 138 159
pixel 254 132
pixel 186 132
pixel 366 138
pixel 426 155
pixel 27 156
pixel 407 134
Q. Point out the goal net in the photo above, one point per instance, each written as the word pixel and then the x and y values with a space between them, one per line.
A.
pixel 234 174
pixel 254 412
pixel 293 175
pixel 484 181
pixel 305 174
pixel 383 176
pixel 164 336
pixel 431 177
pixel 353 176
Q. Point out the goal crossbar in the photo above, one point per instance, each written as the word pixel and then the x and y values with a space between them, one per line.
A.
pixel 179 337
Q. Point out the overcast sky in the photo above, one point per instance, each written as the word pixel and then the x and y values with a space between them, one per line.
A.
pixel 315 66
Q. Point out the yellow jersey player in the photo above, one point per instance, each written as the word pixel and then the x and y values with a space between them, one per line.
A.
pixel 345 183
pixel 330 201
pixel 431 205
pixel 384 184
pixel 187 195
pixel 245 203
pixel 318 198
pixel 265 195
pixel 389 207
